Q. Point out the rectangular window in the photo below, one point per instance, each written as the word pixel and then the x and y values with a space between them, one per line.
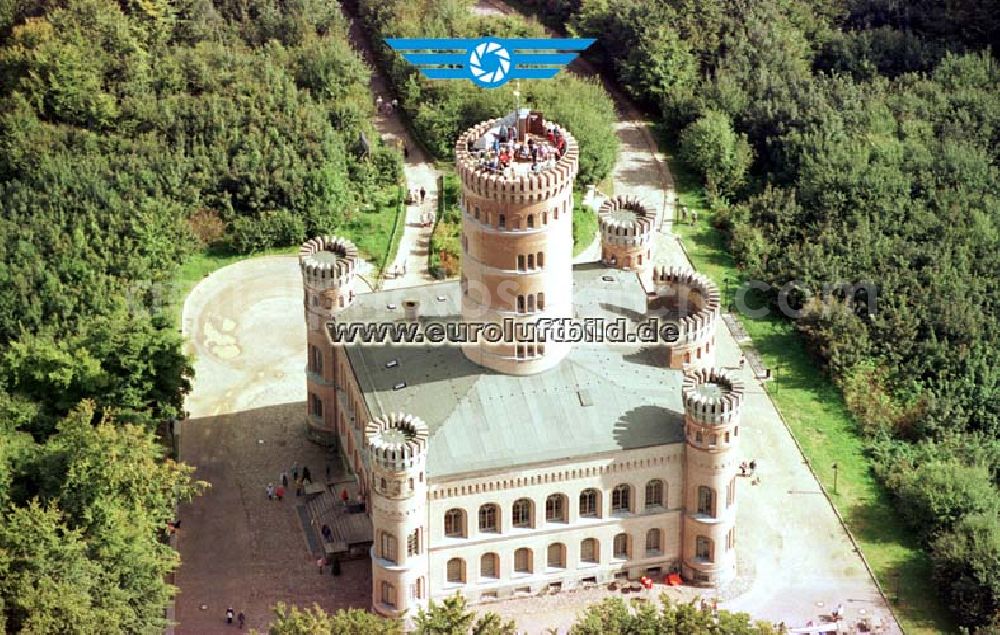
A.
pixel 388 594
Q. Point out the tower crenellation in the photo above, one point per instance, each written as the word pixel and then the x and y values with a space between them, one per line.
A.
pixel 718 406
pixel 693 302
pixel 626 228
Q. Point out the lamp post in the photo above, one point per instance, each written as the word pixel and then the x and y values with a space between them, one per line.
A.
pixel 834 478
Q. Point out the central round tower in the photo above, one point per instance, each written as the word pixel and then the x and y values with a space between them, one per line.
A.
pixel 517 237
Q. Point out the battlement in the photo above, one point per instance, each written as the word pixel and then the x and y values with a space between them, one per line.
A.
pixel 693 296
pixel 530 187
pixel 712 396
pixel 328 261
pixel 397 441
pixel 625 221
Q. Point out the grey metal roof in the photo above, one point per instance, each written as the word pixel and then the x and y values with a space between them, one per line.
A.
pixel 601 398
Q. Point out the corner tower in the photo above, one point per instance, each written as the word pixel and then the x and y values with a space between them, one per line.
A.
pixel 517 237
pixel 712 404
pixel 692 301
pixel 397 445
pixel 328 265
pixel 626 233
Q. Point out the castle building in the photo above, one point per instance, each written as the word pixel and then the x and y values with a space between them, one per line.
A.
pixel 520 466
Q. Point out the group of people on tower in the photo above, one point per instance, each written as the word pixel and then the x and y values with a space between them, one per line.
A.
pixel 507 148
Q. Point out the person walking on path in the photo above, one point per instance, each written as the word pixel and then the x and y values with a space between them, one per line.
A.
pixel 295 471
pixel 284 479
pixel 280 493
pixel 242 619
pixel 423 193
pixel 378 104
pixel 229 615
pixel 298 487
pixel 319 565
pixel 270 491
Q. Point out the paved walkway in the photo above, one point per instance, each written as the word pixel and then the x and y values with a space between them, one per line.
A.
pixel 419 171
pixel 243 325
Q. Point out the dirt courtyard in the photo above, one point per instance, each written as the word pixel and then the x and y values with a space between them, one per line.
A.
pixel 244 326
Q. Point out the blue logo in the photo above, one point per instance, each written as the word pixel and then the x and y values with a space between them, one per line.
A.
pixel 489 62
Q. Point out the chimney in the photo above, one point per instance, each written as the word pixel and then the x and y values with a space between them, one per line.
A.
pixel 411 310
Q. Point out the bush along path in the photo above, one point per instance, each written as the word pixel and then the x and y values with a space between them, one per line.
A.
pixel 409 268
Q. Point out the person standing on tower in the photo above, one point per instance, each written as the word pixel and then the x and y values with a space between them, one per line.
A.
pixel 423 193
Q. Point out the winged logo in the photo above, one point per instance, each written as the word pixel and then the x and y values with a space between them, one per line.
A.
pixel 489 62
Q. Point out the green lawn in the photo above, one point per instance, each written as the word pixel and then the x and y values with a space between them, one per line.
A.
pixel 584 226
pixel 376 234
pixel 818 417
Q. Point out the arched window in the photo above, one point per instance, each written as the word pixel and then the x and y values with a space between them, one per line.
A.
pixel 488 515
pixel 489 565
pixel 653 542
pixel 477 212
pixel 556 556
pixel 540 259
pixel 589 551
pixel 541 301
pixel 590 503
pixel 456 570
pixel 454 523
pixel 531 301
pixel 520 262
pixel 522 513
pixel 520 304
pixel 531 261
pixel 727 437
pixel 703 548
pixel 522 560
pixel 620 503
pixel 621 546
pixel 555 508
pixel 502 222
pixel 388 594
pixel 545 218
pixel 654 493
pixel 706 501
pixel 387 546
pixel 531 221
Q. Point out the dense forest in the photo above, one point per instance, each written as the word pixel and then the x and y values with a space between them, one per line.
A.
pixel 856 142
pixel 131 135
pixel 439 111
